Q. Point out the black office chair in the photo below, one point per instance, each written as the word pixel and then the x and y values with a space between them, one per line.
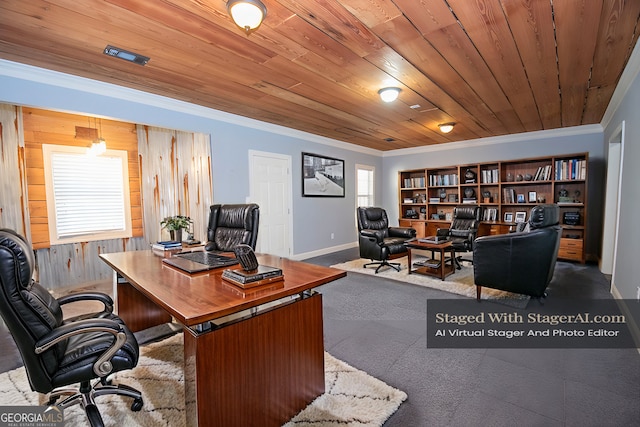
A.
pixel 379 242
pixel 231 225
pixel 463 230
pixel 59 352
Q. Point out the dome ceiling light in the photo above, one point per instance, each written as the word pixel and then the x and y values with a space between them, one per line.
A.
pixel 389 94
pixel 247 14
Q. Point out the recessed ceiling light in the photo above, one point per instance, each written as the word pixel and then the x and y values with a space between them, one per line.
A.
pixel 126 55
pixel 389 139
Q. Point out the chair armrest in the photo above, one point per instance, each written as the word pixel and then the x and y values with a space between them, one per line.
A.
pixel 375 235
pixel 88 296
pixel 102 367
pixel 407 232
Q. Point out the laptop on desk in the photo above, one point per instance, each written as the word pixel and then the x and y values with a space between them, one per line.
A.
pixel 196 262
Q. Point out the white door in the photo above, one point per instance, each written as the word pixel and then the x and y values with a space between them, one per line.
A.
pixel 270 188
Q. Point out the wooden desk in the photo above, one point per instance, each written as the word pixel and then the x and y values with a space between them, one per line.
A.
pixel 247 360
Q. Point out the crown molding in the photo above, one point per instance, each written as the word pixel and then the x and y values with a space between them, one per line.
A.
pixel 502 139
pixel 94 87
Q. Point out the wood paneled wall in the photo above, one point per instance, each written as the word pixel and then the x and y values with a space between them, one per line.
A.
pixel 49 127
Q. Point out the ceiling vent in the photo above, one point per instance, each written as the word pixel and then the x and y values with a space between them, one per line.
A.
pixel 126 55
pixel 389 139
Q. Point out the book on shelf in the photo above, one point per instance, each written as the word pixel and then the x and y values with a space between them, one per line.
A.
pixel 469 200
pixel 261 275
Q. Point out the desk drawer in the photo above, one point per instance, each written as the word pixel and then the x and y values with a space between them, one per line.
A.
pixel 571 249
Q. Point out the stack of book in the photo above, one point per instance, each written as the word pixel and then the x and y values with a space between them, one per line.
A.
pixel 248 279
pixel 166 247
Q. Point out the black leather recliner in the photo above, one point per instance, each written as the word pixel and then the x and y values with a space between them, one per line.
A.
pixel 378 241
pixel 521 262
pixel 463 229
pixel 231 225
pixel 59 352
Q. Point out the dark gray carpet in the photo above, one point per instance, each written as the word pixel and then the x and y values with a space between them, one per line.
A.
pixel 379 326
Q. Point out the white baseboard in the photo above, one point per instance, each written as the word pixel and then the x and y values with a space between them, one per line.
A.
pixel 324 251
pixel 633 328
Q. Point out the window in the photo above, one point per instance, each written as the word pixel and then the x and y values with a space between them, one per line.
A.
pixel 364 184
pixel 87 195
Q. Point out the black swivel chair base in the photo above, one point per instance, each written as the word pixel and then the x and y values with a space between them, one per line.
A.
pixel 385 263
pixel 85 396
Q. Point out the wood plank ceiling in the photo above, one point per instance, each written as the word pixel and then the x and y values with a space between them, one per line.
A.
pixel 493 67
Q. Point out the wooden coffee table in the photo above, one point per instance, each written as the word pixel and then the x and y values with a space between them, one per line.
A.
pixel 441 267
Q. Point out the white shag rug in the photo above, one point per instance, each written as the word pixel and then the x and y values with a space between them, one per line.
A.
pixel 460 282
pixel 352 397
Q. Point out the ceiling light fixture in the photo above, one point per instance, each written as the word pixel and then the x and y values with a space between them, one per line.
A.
pixel 247 14
pixel 446 127
pixel 389 94
pixel 99 145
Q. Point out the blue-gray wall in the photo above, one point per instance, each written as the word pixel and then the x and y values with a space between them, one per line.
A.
pixel 627 268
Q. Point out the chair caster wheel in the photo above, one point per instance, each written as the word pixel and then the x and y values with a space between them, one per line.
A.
pixel 52 401
pixel 137 405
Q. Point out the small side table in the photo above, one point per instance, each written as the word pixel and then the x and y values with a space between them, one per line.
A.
pixel 442 267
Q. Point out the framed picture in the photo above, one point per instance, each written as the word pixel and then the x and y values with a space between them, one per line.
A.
pixel 532 196
pixel 508 217
pixel 520 198
pixel 453 198
pixel 521 216
pixel 448 216
pixel 322 176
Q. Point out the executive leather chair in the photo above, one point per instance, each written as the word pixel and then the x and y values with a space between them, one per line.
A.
pixel 231 225
pixel 59 352
pixel 379 242
pixel 521 262
pixel 463 230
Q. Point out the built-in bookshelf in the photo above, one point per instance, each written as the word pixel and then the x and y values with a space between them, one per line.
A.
pixel 506 190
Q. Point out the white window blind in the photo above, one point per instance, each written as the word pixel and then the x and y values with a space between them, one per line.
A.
pixel 87 195
pixel 364 183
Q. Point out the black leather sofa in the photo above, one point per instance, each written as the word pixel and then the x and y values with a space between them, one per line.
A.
pixel 521 262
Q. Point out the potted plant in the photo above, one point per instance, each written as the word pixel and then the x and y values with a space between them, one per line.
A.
pixel 175 225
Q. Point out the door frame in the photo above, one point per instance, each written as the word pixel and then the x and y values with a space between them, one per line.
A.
pixel 252 188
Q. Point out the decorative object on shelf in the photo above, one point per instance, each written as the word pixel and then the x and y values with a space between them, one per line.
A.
pixel 528 177
pixel 571 218
pixel 508 217
pixel 453 198
pixel 532 196
pixel 519 177
pixel 443 194
pixel 563 196
pixel 520 198
pixel 448 216
pixel 175 225
pixel 509 177
pixel 469 177
pixel 469 193
pixel 486 196
pixel 521 216
pixel 541 198
pixel 247 14
pixel 576 195
pixel 411 214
